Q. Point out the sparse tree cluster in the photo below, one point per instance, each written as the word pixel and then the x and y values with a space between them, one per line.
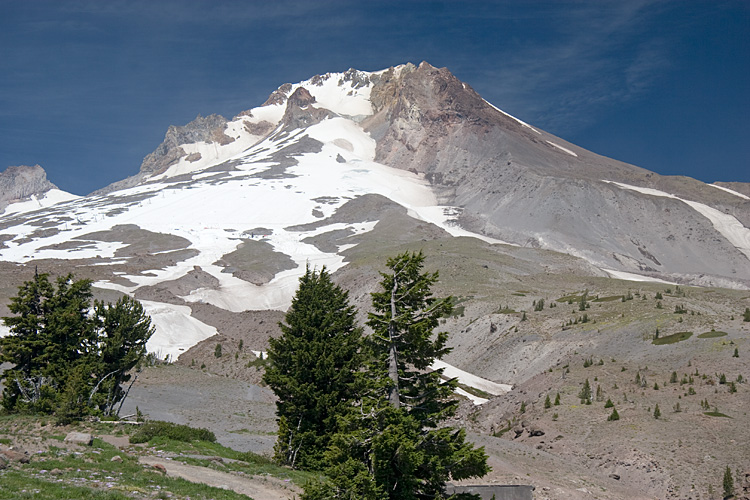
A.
pixel 70 358
pixel 383 438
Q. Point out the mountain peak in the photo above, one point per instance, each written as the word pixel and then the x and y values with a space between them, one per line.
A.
pixel 23 181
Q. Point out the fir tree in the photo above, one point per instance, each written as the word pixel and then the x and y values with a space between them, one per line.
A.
pixel 609 403
pixel 746 315
pixel 728 483
pixel 68 361
pixel 557 399
pixel 585 394
pixel 657 412
pixel 312 369
pixel 393 446
pixel 547 402
pixel 614 415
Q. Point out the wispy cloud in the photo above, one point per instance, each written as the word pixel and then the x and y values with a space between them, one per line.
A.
pixel 600 54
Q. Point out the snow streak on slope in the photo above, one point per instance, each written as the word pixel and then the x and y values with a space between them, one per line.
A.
pixel 730 191
pixel 51 197
pixel 732 229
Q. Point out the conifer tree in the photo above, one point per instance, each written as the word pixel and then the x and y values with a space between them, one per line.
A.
pixel 547 402
pixel 393 447
pixel 657 412
pixel 728 483
pixel 585 394
pixel 68 361
pixel 557 399
pixel 312 369
pixel 614 415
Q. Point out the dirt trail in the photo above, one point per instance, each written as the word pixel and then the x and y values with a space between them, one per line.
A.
pixel 257 488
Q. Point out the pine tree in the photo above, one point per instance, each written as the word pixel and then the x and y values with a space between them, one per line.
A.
pixel 312 369
pixel 394 447
pixel 614 415
pixel 585 394
pixel 547 402
pixel 609 403
pixel 68 361
pixel 657 412
pixel 746 315
pixel 557 400
pixel 728 483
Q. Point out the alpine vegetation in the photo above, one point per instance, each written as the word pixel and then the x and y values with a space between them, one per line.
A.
pixel 371 400
pixel 70 359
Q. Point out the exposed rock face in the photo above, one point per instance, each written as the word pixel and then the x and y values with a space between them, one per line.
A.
pixel 299 112
pixel 17 183
pixel 526 186
pixel 209 129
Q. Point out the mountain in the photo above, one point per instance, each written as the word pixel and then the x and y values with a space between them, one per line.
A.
pixel 25 186
pixel 554 256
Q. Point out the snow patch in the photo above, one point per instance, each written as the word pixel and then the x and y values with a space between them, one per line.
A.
pixel 513 117
pixel 176 331
pixel 51 197
pixel 730 191
pixel 622 275
pixel 566 150
pixel 470 379
pixel 729 227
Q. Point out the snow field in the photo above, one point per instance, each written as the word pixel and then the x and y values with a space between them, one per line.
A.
pixel 732 229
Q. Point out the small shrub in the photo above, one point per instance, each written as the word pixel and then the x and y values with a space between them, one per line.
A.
pixel 176 432
pixel 217 351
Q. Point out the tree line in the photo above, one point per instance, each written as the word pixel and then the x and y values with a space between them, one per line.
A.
pixel 71 357
pixel 367 410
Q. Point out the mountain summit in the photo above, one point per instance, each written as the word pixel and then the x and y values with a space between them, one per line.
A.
pixel 228 212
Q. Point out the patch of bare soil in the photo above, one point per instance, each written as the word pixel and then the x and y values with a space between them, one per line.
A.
pixel 256 487
pixel 241 414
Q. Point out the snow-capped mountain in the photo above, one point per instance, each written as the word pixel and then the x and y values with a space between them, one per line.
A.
pixel 228 213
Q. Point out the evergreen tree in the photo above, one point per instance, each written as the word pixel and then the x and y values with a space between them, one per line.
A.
pixel 392 447
pixel 557 399
pixel 609 403
pixel 614 415
pixel 63 355
pixel 657 412
pixel 728 483
pixel 123 329
pixel 547 402
pixel 585 394
pixel 746 314
pixel 312 369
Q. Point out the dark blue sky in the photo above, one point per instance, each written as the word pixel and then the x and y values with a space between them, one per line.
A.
pixel 88 88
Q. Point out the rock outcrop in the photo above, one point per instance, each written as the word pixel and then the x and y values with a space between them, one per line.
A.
pixel 21 182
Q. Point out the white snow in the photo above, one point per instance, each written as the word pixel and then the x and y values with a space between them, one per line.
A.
pixel 566 150
pixel 728 225
pixel 513 117
pixel 730 191
pixel 176 330
pixel 470 379
pixel 622 275
pixel 51 197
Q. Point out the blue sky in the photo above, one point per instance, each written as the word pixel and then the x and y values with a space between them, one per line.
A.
pixel 88 88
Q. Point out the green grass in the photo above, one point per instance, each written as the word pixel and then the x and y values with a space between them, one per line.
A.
pixel 176 432
pixel 568 298
pixel 711 335
pixel 608 299
pixel 91 474
pixel 715 414
pixel 672 339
